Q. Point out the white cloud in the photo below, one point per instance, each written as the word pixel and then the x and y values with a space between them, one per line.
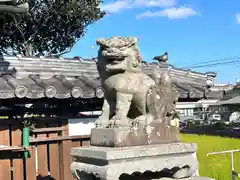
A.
pixel 171 13
pixel 116 6
pixel 155 3
pixel 119 5
pixel 238 18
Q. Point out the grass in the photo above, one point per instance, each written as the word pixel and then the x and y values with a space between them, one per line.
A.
pixel 215 166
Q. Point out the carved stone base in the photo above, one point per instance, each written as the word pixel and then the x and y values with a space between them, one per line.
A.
pixel 174 160
pixel 155 133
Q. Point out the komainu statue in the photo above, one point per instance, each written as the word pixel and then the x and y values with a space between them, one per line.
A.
pixel 137 134
pixel 130 96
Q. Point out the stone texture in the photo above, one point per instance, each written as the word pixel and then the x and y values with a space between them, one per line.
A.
pixel 137 134
pixel 123 137
pixel 107 153
pixel 130 96
pixel 110 163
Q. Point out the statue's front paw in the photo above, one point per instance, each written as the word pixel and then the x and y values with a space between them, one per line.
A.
pixel 102 122
pixel 111 123
pixel 117 121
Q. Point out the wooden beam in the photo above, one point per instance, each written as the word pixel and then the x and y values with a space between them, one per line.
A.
pixel 60 138
pixel 15 149
pixel 45 130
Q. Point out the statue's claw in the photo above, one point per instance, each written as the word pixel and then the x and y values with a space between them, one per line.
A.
pixel 102 122
pixel 119 122
pixel 111 123
pixel 122 123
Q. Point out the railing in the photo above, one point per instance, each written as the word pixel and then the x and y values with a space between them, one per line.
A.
pixel 233 172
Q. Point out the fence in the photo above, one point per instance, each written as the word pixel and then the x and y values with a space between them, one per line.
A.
pixel 234 174
pixel 50 148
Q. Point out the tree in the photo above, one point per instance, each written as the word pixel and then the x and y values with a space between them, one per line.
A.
pixel 51 27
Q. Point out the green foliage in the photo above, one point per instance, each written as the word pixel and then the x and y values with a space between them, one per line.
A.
pixel 189 125
pixel 215 166
pixel 50 28
pixel 219 126
pixel 197 122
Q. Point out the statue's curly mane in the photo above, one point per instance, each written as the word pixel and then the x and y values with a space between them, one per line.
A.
pixel 122 56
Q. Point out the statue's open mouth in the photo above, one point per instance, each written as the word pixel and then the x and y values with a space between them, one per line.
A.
pixel 113 57
pixel 114 60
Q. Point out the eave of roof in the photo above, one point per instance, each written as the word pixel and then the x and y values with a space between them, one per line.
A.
pixel 232 101
pixel 35 77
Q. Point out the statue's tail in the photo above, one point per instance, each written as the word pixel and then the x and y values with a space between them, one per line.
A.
pixel 161 97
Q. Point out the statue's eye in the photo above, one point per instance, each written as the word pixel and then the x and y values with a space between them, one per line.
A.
pixel 104 47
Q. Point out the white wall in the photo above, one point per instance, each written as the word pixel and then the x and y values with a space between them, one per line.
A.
pixel 200 103
pixel 81 126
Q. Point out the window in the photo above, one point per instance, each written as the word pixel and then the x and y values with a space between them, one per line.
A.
pixel 181 112
pixel 186 112
pixel 190 112
pixel 197 109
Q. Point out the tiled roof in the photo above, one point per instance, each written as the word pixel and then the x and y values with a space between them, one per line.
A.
pixel 35 77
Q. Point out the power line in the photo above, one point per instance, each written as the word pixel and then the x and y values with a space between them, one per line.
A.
pixel 231 62
pixel 222 59
pixel 216 60
pixel 207 63
pixel 217 64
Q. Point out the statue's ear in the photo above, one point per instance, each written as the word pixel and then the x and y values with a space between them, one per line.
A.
pixel 100 42
pixel 134 39
pixel 137 60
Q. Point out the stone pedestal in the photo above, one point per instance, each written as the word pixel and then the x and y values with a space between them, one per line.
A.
pixel 161 161
pixel 155 133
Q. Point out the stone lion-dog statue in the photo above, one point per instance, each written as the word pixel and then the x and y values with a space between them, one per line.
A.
pixel 129 94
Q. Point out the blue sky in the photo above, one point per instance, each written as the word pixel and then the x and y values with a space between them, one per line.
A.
pixel 191 31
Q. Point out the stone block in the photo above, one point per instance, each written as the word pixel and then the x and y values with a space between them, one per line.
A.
pixel 155 133
pixel 110 163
